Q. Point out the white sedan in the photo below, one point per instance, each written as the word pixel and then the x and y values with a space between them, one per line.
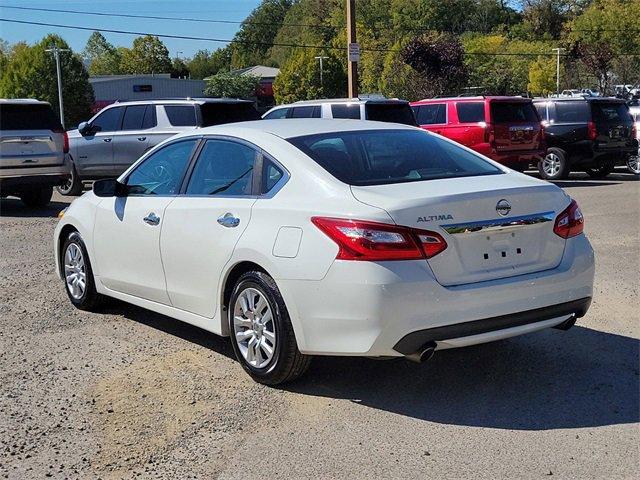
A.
pixel 329 237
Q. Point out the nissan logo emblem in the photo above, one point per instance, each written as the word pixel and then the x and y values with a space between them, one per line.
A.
pixel 503 207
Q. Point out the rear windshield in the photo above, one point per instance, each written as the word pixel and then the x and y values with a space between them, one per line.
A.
pixel 610 112
pixel 571 112
pixel 507 112
pixel 219 113
pixel 28 117
pixel 379 157
pixel 390 112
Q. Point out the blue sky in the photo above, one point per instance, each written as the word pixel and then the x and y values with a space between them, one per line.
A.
pixel 235 10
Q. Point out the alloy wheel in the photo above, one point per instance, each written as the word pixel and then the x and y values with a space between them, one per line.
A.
pixel 254 328
pixel 634 163
pixel 551 164
pixel 75 271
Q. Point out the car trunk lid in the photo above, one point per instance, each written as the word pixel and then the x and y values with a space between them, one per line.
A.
pixel 495 226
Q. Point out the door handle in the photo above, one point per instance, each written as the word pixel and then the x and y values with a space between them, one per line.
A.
pixel 152 219
pixel 142 139
pixel 106 140
pixel 228 220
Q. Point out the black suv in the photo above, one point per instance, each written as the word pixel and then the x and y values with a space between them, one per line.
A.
pixel 590 134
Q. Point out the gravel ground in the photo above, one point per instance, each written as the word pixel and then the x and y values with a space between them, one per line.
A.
pixel 128 393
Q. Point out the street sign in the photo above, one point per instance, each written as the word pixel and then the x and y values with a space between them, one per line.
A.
pixel 354 52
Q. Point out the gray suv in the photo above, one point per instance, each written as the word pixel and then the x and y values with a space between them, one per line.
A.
pixel 118 135
pixel 32 151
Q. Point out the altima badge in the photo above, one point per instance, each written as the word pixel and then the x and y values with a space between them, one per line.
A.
pixel 503 208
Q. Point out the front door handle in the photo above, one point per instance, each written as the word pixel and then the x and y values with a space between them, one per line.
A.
pixel 152 219
pixel 228 220
pixel 142 139
pixel 106 140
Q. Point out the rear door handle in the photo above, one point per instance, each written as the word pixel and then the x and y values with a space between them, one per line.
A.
pixel 106 140
pixel 151 219
pixel 228 220
pixel 142 139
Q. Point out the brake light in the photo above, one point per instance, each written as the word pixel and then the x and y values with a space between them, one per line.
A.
pixel 570 222
pixel 373 241
pixel 489 134
pixel 634 131
pixel 65 136
pixel 592 131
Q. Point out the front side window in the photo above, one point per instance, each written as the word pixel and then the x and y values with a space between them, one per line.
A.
pixel 470 112
pixel 161 173
pixel 378 157
pixel 108 121
pixel 181 115
pixel 344 110
pixel 432 114
pixel 223 168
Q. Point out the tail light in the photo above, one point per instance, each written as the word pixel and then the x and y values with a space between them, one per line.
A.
pixel 592 131
pixel 570 222
pixel 373 241
pixel 489 134
pixel 65 137
pixel 634 131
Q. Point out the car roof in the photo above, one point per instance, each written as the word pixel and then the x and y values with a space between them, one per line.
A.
pixel 580 99
pixel 181 101
pixel 474 98
pixel 23 101
pixel 359 101
pixel 294 127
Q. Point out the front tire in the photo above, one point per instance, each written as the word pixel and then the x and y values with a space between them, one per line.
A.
pixel 37 198
pixel 261 332
pixel 554 165
pixel 633 163
pixel 78 275
pixel 73 186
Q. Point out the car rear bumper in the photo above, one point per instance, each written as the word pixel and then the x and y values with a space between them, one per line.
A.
pixel 21 178
pixel 368 309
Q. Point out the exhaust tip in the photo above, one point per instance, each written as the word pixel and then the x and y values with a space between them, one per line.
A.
pixel 423 354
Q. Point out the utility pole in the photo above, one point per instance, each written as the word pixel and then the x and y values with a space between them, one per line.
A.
pixel 56 53
pixel 558 50
pixel 353 49
pixel 321 58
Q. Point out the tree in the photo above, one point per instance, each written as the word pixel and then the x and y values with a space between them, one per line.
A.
pixel 102 56
pixel 147 55
pixel 31 73
pixel 231 85
pixel 205 63
pixel 299 78
pixel 253 40
pixel 439 60
pixel 542 76
pixel 179 68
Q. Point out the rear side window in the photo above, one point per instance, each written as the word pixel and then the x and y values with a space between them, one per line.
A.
pixel 377 157
pixel 342 110
pixel 610 112
pixel 28 117
pixel 271 174
pixel 108 120
pixel 181 115
pixel 433 114
pixel 470 112
pixel 279 113
pixel 507 112
pixel 312 111
pixel 215 113
pixel 571 112
pixel 390 112
pixel 133 117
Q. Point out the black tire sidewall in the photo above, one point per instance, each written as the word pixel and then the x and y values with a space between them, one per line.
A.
pixel 76 184
pixel 278 309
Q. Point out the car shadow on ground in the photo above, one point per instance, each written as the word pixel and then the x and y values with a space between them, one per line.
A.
pixel 546 380
pixel 579 179
pixel 13 207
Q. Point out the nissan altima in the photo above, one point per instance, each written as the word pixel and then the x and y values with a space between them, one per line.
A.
pixel 329 237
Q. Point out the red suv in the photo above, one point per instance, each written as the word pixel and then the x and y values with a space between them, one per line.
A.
pixel 505 129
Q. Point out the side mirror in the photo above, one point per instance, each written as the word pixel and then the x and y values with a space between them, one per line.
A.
pixel 84 128
pixel 109 187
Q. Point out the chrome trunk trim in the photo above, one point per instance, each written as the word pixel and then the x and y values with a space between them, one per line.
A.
pixel 499 224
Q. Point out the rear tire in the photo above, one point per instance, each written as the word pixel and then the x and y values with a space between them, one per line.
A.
pixel 37 198
pixel 78 275
pixel 261 332
pixel 602 170
pixel 73 186
pixel 554 165
pixel 633 163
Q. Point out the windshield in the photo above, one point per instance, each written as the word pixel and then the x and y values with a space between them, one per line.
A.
pixel 378 157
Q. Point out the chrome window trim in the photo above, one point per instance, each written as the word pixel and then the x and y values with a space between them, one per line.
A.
pixel 498 224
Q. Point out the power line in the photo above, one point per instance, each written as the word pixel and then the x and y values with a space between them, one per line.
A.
pixel 157 17
pixel 267 44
